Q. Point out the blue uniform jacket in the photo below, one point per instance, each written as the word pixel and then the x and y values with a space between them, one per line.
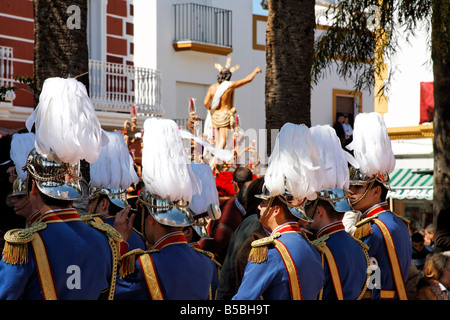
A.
pixel 134 242
pixel 79 256
pixel 269 279
pixel 402 241
pixel 183 273
pixel 350 260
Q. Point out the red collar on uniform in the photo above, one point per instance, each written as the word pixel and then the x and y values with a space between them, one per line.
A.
pixel 169 239
pixel 379 208
pixel 31 219
pixel 287 227
pixel 63 215
pixel 331 228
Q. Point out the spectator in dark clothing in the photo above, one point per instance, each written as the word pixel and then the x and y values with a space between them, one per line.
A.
pixel 442 240
pixel 420 250
pixel 233 212
pixel 339 128
pixel 227 288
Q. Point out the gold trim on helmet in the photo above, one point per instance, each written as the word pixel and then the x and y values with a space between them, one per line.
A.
pixel 361 179
pixel 117 197
pixel 54 179
pixel 174 214
pixel 295 206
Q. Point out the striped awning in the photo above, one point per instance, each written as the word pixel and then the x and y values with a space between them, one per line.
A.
pixel 411 184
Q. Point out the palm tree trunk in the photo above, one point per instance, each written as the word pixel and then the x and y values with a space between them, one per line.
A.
pixel 289 57
pixel 60 45
pixel 441 122
pixel 59 50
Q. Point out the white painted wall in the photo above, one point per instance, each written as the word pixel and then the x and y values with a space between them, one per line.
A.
pixel 411 65
pixel 188 74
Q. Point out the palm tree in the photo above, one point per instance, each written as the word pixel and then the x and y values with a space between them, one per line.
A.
pixel 60 46
pixel 440 53
pixel 289 57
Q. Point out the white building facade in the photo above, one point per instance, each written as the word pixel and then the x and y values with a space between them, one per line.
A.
pixel 214 30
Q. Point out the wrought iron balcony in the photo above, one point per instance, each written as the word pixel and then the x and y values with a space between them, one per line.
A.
pixel 6 71
pixel 117 87
pixel 6 66
pixel 202 28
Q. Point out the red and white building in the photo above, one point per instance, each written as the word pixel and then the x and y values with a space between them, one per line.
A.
pixel 115 83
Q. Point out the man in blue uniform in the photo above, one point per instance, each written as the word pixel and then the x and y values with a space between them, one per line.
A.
pixel 386 234
pixel 345 259
pixel 59 256
pixel 171 269
pixel 284 265
pixel 111 176
pixel 55 257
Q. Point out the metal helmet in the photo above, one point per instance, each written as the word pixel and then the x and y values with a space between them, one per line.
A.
pixel 174 214
pixel 295 206
pixel 338 198
pixel 19 188
pixel 117 197
pixel 360 179
pixel 55 179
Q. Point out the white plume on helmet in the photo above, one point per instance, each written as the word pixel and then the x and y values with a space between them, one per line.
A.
pixel 371 145
pixel 166 169
pixel 21 145
pixel 208 195
pixel 336 173
pixel 295 164
pixel 65 122
pixel 114 167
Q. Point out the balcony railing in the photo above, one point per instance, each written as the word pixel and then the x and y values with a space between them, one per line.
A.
pixel 202 24
pixel 117 87
pixel 6 66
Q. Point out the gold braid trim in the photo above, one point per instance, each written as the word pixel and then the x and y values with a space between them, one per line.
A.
pixel 128 261
pixel 15 250
pixel 209 255
pixel 114 239
pixel 260 248
pixel 88 217
pixel 406 221
pixel 364 227
pixel 365 249
pixel 320 242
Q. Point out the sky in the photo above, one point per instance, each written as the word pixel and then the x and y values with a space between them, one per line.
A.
pixel 257 9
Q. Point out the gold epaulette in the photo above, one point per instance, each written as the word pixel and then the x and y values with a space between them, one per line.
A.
pixel 106 228
pixel 364 227
pixel 320 242
pixel 88 217
pixel 208 254
pixel 260 248
pixel 16 243
pixel 128 261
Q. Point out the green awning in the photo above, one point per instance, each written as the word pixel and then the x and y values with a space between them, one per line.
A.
pixel 411 184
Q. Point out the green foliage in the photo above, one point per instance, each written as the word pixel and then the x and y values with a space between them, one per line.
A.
pixel 29 81
pixel 362 34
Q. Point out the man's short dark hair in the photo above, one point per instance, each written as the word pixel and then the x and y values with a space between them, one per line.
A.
pixel 242 175
pixel 417 237
pixel 288 215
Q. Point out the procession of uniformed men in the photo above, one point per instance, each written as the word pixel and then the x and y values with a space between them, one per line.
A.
pixel 329 233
